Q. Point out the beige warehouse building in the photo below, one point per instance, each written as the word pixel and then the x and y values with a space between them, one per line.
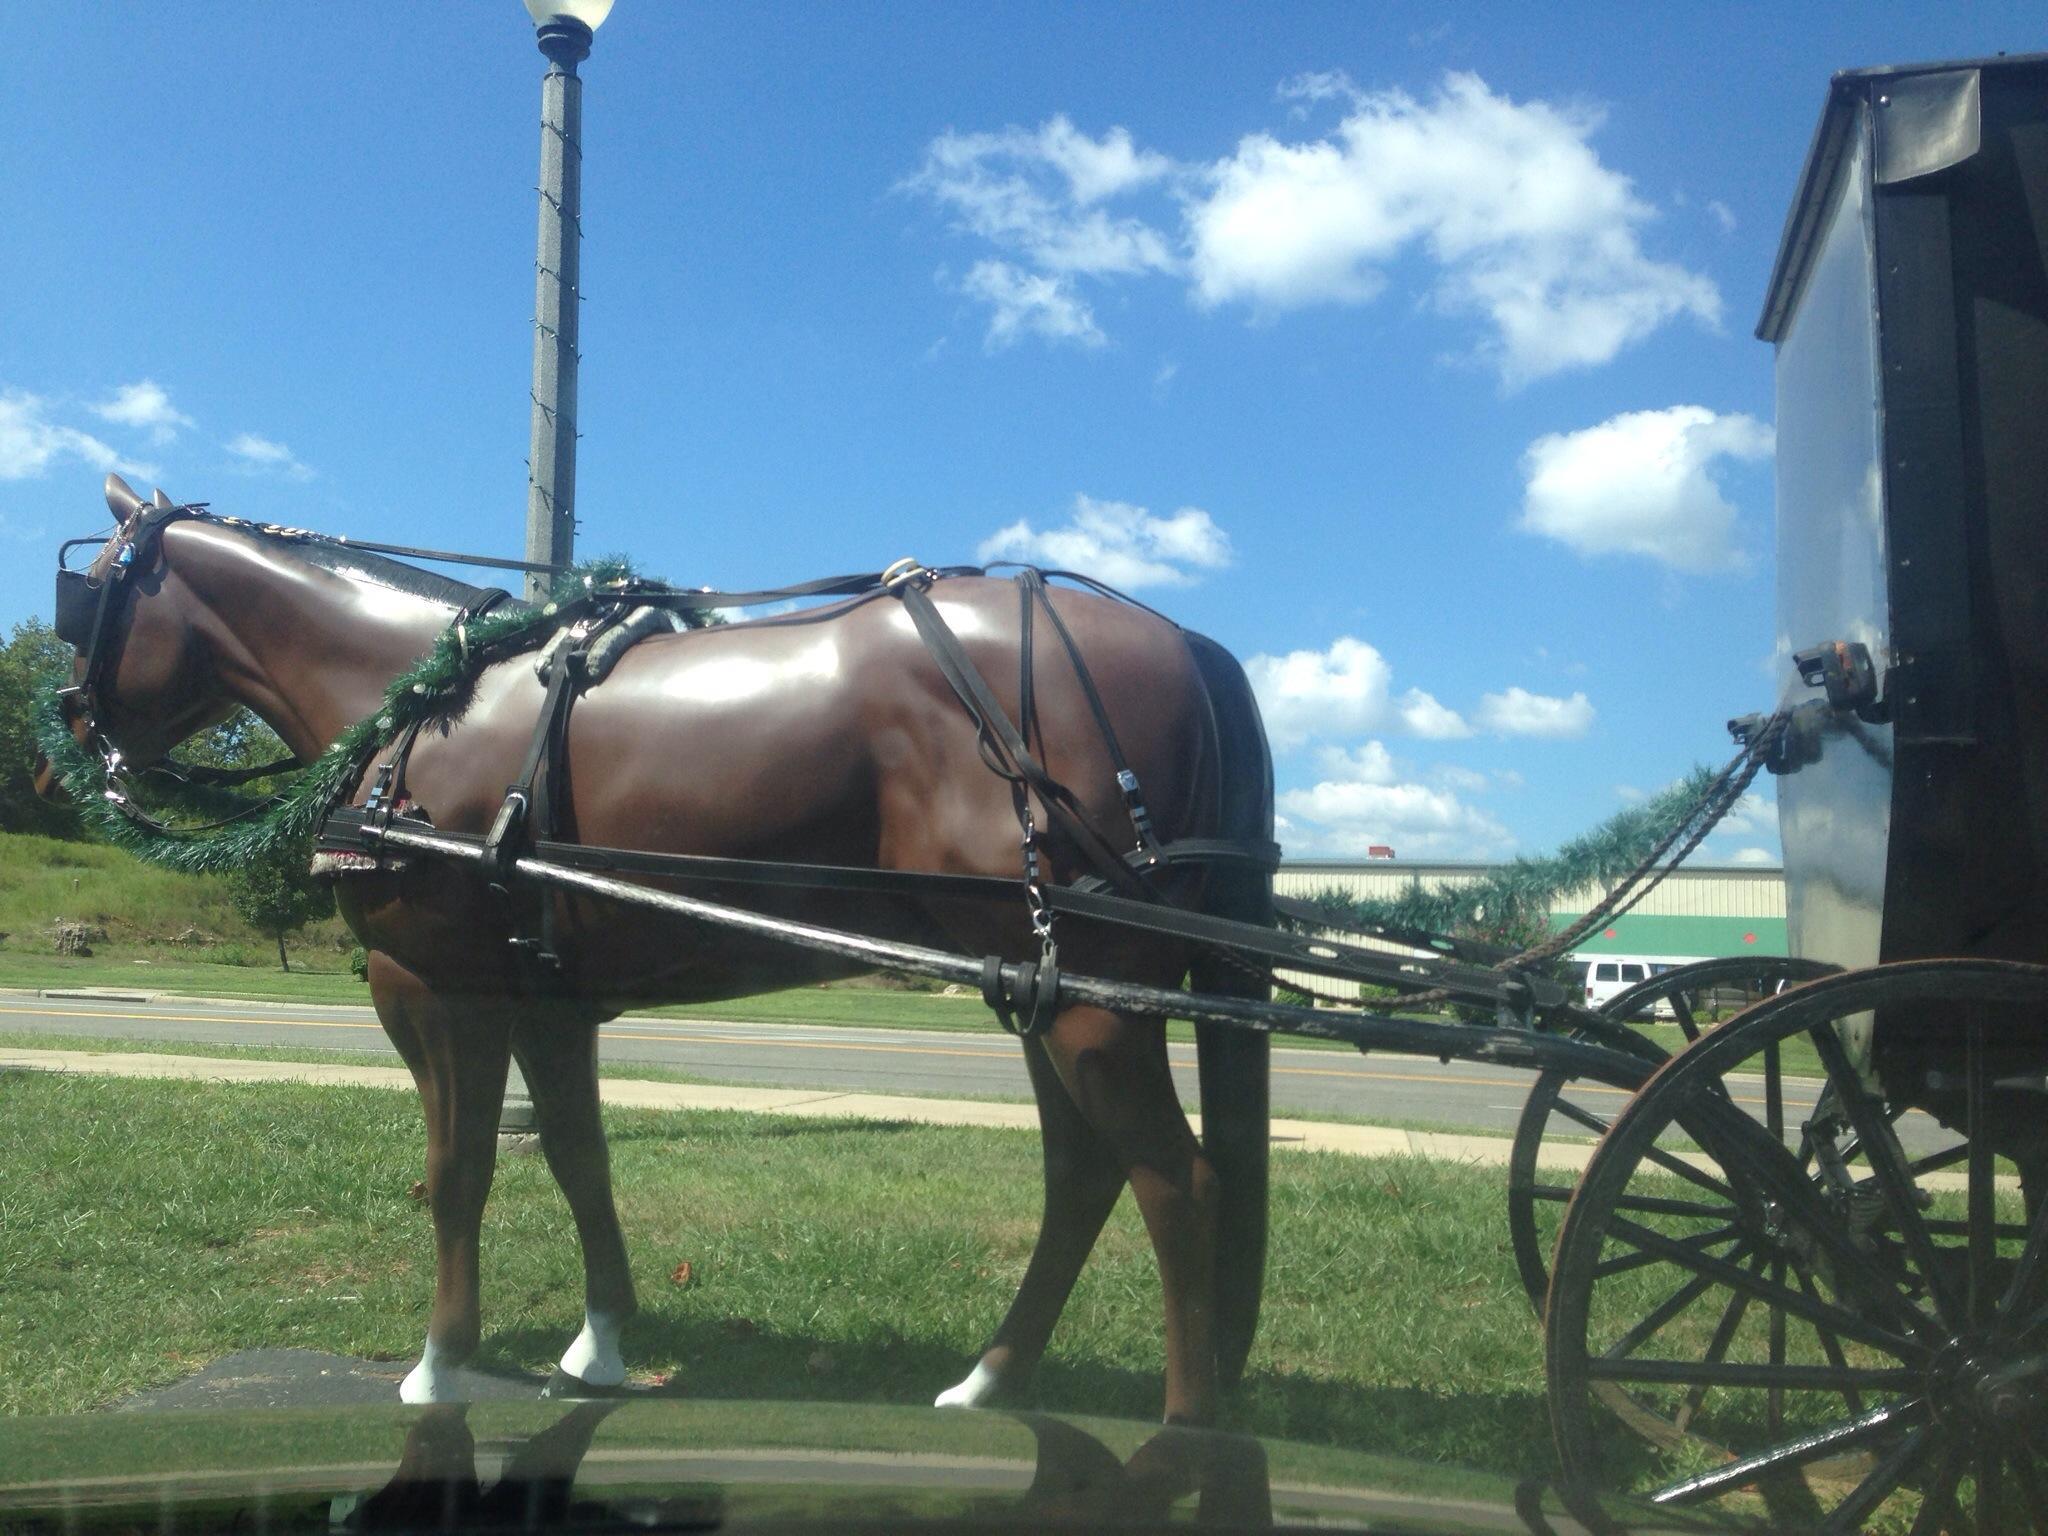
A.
pixel 1700 912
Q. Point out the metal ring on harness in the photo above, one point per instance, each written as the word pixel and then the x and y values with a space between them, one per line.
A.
pixel 906 569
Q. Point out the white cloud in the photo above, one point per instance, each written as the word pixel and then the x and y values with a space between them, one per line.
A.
pixel 1451 776
pixel 1642 483
pixel 1752 856
pixel 1421 715
pixel 1037 193
pixel 1345 690
pixel 1030 304
pixel 1518 712
pixel 144 405
pixel 1751 816
pixel 1723 215
pixel 30 442
pixel 1121 544
pixel 1338 692
pixel 262 455
pixel 1350 816
pixel 1371 763
pixel 1522 222
pixel 1513 215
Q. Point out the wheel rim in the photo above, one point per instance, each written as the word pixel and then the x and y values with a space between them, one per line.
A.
pixel 1561 1116
pixel 1842 1323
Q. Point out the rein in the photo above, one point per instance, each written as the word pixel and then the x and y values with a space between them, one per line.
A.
pixel 102 784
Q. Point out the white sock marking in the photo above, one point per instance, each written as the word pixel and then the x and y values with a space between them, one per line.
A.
pixel 427 1382
pixel 978 1388
pixel 594 1357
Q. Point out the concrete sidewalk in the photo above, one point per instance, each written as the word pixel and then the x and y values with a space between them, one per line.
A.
pixel 633 1093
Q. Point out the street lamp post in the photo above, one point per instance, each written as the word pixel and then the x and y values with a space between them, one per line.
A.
pixel 563 29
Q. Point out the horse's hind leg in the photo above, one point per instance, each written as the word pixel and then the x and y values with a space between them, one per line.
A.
pixel 1082 1181
pixel 559 1058
pixel 458 1052
pixel 1115 1068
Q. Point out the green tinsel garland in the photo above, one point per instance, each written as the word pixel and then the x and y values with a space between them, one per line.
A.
pixel 435 687
pixel 1513 902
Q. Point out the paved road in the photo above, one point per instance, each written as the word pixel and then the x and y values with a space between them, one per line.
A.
pixel 1306 1084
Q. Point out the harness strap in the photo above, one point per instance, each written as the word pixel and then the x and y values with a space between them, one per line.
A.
pixel 1000 735
pixel 345 831
pixel 1032 584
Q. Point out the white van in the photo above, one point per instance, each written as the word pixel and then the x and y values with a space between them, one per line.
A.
pixel 1608 976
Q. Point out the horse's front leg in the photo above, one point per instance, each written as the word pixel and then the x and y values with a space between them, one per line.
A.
pixel 458 1050
pixel 559 1057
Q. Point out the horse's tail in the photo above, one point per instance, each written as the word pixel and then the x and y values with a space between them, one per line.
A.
pixel 1235 1063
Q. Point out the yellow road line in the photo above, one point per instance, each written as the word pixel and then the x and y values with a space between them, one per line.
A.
pixel 802 1045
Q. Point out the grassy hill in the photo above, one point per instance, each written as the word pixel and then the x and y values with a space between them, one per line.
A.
pixel 147 912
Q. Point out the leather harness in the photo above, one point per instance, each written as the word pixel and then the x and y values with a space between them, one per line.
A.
pixel 1117 889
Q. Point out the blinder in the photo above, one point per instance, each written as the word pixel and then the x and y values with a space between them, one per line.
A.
pixel 78 605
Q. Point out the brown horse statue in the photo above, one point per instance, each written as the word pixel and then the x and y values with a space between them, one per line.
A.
pixel 829 737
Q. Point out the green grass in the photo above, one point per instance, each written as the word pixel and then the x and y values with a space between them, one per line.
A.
pixel 45 881
pixel 146 1228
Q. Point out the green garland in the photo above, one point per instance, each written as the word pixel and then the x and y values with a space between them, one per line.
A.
pixel 1512 903
pixel 436 687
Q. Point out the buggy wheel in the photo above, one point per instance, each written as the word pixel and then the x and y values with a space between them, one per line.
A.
pixel 1824 1312
pixel 1564 1115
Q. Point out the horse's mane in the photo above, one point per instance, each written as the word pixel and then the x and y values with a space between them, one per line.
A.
pixel 377 570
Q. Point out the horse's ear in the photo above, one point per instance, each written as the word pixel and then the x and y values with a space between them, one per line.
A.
pixel 122 500
pixel 162 501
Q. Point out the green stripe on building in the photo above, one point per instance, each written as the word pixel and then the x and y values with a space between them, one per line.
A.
pixel 1696 938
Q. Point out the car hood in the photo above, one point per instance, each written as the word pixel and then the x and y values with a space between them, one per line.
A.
pixel 686 1465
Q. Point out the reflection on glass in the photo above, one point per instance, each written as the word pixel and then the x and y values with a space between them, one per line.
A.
pixel 1835 812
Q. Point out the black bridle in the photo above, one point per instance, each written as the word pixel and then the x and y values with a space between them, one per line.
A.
pixel 88 609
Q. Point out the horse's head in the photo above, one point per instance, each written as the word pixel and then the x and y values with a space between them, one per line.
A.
pixel 139 682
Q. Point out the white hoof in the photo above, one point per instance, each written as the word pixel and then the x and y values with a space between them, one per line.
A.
pixel 426 1384
pixel 595 1357
pixel 974 1392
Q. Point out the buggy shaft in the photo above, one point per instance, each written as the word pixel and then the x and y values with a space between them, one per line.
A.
pixel 1530 1049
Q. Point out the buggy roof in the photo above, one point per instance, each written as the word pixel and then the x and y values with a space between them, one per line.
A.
pixel 1917 138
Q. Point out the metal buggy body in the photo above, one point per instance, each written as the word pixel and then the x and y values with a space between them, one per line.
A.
pixel 1805 1262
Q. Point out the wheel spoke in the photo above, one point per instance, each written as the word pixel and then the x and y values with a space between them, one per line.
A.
pixel 1678 1165
pixel 1655 1205
pixel 1938 1509
pixel 1981 1207
pixel 1773 1166
pixel 1829 1344
pixel 1775 1398
pixel 1724 1335
pixel 2033 1493
pixel 1824 1313
pixel 1582 1117
pixel 1698 1243
pixel 1795 1378
pixel 2020 1290
pixel 1663 1312
pixel 1817 1446
pixel 1886 1163
pixel 1934 1162
pixel 1990 1486
pixel 1681 1009
pixel 1849 1516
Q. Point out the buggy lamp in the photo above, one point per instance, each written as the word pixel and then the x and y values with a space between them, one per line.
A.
pixel 563 28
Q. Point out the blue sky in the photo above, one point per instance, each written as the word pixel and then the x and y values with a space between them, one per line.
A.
pixel 1405 350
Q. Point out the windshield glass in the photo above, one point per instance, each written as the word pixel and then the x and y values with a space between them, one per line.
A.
pixel 1042 826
